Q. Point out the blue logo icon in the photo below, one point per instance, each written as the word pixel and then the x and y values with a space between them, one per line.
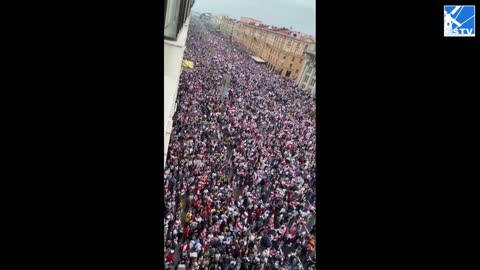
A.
pixel 459 21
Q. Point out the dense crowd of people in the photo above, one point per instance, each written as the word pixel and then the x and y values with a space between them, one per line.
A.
pixel 240 175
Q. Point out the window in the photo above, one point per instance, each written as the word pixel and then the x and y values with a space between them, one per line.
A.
pixel 171 18
pixel 312 82
pixel 284 57
pixel 288 73
pixel 290 66
pixel 306 79
pixel 293 59
pixel 309 69
pixel 296 72
pixel 176 13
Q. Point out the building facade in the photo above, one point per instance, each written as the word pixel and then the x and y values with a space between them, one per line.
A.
pixel 226 26
pixel 176 20
pixel 308 76
pixel 282 49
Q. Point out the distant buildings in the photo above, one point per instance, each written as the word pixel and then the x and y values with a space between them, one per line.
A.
pixel 288 53
pixel 281 48
pixel 307 79
pixel 226 26
pixel 205 16
pixel 176 20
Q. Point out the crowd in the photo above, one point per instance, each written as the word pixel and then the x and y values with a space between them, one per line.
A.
pixel 240 175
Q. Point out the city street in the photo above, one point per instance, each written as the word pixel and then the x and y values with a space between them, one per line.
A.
pixel 243 149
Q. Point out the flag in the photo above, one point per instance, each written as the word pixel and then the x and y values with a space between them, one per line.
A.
pixel 184 188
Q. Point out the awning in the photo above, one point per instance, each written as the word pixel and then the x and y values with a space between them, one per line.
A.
pixel 258 59
pixel 187 64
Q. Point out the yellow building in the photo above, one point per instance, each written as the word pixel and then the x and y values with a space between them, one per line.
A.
pixel 282 49
pixel 226 25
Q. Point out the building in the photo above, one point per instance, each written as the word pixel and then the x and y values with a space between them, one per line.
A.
pixel 226 26
pixel 176 20
pixel 249 20
pixel 205 16
pixel 307 79
pixel 281 48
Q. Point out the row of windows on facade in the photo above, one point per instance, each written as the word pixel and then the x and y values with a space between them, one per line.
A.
pixel 274 52
pixel 307 77
pixel 312 81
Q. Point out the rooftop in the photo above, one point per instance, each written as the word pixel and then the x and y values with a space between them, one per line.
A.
pixel 283 31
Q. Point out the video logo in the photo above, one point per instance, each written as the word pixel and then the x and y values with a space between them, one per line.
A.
pixel 459 21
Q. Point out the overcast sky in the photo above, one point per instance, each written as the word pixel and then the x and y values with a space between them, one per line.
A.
pixel 298 14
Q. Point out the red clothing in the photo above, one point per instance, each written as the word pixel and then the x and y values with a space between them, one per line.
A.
pixel 170 257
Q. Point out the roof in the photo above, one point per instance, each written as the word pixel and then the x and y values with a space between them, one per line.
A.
pixel 283 31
